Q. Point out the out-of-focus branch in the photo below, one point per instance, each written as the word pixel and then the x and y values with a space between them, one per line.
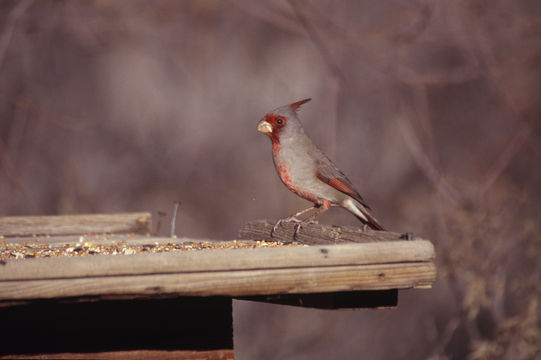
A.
pixel 506 157
pixel 425 164
pixel 456 285
pixel 425 158
pixel 331 64
pixel 318 42
pixel 534 146
pixel 491 60
pixel 444 338
pixel 365 42
pixel 422 116
pixel 452 76
pixel 15 14
pixel 265 12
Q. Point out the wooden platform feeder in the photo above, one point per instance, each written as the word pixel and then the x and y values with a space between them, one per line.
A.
pixel 99 286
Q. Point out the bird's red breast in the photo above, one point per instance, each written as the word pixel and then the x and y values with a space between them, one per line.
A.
pixel 285 176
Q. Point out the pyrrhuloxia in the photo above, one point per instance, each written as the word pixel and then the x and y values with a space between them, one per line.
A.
pixel 306 171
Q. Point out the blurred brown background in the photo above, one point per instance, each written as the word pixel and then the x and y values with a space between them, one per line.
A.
pixel 431 108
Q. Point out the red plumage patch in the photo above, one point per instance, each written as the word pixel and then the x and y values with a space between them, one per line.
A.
pixel 275 147
pixel 286 179
pixel 276 121
pixel 284 175
pixel 326 204
pixel 296 105
pixel 340 185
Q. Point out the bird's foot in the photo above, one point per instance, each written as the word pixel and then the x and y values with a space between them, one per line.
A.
pixel 289 219
pixel 300 224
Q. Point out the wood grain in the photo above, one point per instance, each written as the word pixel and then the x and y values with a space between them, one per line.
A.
pixel 232 283
pixel 312 234
pixel 75 224
pixel 218 260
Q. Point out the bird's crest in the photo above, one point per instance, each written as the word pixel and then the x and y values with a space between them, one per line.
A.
pixel 296 105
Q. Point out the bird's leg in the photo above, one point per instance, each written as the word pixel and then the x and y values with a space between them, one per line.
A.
pixel 292 218
pixel 310 219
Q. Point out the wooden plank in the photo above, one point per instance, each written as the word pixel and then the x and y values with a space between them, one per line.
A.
pixel 231 283
pixel 113 329
pixel 378 299
pixel 75 224
pixel 218 260
pixel 107 238
pixel 222 354
pixel 312 234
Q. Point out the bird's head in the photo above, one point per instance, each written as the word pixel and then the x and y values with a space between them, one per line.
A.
pixel 281 122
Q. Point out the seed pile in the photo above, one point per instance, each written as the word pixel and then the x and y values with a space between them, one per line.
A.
pixel 93 244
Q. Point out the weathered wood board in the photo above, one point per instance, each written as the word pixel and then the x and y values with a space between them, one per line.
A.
pixel 231 272
pixel 315 233
pixel 75 224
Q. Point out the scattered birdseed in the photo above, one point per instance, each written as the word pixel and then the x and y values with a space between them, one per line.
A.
pixel 17 248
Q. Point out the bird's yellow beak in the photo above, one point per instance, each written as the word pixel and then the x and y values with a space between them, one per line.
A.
pixel 264 127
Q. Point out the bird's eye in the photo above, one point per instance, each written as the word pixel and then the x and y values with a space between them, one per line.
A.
pixel 279 121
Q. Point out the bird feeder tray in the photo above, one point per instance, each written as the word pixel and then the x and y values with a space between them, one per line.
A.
pixel 110 260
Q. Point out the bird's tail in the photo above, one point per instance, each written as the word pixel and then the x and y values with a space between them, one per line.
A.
pixel 372 222
pixel 362 214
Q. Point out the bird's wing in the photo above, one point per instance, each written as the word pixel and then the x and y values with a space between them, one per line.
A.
pixel 331 175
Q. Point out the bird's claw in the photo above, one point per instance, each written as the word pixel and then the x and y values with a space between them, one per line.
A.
pixel 289 219
pixel 298 225
pixel 297 229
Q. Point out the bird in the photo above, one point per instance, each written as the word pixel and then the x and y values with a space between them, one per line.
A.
pixel 307 171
